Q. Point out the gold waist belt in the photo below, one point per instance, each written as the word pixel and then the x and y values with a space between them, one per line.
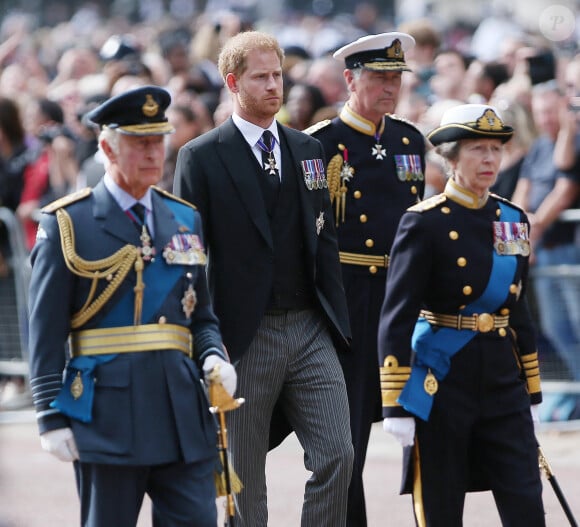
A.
pixel 482 322
pixel 127 339
pixel 364 259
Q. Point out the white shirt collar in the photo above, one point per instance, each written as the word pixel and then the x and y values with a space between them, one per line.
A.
pixel 124 199
pixel 252 132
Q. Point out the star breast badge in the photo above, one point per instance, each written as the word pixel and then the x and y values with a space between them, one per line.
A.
pixel 319 223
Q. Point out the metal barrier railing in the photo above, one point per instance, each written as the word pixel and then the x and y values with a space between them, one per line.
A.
pixel 557 374
pixel 13 298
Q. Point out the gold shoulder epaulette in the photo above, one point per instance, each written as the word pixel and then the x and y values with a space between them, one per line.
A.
pixel 173 196
pixel 404 120
pixel 429 203
pixel 67 200
pixel 317 126
pixel 506 201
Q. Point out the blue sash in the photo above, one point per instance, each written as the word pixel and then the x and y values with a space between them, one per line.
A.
pixel 434 348
pixel 159 279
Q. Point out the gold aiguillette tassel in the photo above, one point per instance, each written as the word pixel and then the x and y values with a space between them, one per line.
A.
pixel 139 287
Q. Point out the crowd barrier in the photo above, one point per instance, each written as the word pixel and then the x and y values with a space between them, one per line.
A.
pixel 14 281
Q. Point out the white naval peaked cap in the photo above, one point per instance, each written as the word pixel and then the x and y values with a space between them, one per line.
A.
pixel 382 52
pixel 470 121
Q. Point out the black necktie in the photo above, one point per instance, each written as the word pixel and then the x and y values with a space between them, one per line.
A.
pixel 147 249
pixel 138 210
pixel 266 144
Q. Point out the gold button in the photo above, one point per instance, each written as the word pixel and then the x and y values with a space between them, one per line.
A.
pixel 461 307
pixel 405 140
pixel 498 213
pixel 363 218
pixel 413 189
pixel 445 210
pixel 373 269
pixel 502 332
pixel 370 243
pixel 505 311
pixel 453 235
pixel 513 289
pixel 461 262
pixel 357 194
pixel 485 322
pixel 467 290
pixel 162 320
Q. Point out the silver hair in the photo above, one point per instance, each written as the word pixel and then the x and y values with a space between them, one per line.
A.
pixel 448 152
pixel 111 136
pixel 356 72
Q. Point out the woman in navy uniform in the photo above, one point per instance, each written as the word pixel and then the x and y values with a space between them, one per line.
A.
pixel 458 361
pixel 118 272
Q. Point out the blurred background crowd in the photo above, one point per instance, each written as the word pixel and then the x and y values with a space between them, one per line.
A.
pixel 58 59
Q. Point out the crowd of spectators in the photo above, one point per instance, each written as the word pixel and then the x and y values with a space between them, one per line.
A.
pixel 50 77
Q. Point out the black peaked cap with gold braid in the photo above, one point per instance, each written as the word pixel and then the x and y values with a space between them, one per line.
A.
pixel 135 112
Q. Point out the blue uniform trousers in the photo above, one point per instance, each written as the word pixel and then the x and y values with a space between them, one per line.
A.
pixel 183 495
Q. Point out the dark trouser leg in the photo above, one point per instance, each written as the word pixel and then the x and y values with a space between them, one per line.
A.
pixel 511 456
pixel 182 495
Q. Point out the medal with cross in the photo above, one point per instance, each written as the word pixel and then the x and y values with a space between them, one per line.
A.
pixel 378 150
pixel 147 250
pixel 271 164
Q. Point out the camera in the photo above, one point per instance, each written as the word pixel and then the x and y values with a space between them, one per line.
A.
pixel 574 104
pixel 542 67
pixel 50 133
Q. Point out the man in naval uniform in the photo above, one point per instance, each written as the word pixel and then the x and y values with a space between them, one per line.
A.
pixel 118 273
pixel 375 171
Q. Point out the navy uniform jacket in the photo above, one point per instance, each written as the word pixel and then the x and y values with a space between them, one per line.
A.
pixel 441 262
pixel 379 190
pixel 149 407
pixel 382 182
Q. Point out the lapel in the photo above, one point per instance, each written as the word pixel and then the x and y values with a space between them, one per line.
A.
pixel 299 149
pixel 113 220
pixel 234 152
pixel 165 223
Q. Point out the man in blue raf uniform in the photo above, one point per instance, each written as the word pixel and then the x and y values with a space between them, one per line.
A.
pixel 375 171
pixel 118 273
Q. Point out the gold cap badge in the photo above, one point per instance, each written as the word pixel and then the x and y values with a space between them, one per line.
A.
pixel 150 108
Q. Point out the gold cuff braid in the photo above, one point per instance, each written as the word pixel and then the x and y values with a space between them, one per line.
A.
pixel 532 370
pixel 393 378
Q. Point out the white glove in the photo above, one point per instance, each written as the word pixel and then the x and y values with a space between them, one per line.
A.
pixel 535 411
pixel 60 443
pixel 403 428
pixel 227 373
